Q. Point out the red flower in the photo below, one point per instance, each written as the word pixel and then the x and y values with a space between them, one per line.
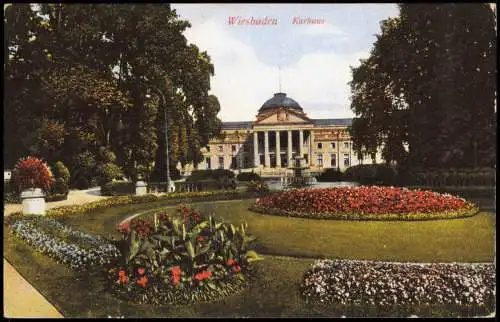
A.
pixel 176 275
pixel 143 281
pixel 176 270
pixel 141 271
pixel 203 275
pixel 122 277
pixel 236 268
pixel 124 228
pixel 200 238
pixel 231 262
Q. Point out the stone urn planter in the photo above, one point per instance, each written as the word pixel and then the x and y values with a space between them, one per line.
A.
pixel 141 188
pixel 33 201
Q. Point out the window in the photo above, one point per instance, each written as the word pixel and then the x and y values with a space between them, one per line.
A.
pixel 319 160
pixel 221 148
pixel 346 160
pixel 233 148
pixel 221 162
pixel 245 163
pixel 320 145
pixel 333 160
pixel 234 163
pixel 333 145
pixel 207 160
pixel 346 145
pixel 306 157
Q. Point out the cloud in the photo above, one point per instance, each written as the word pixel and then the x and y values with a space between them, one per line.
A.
pixel 242 82
pixel 322 30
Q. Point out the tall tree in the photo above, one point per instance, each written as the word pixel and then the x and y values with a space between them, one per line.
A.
pixel 430 82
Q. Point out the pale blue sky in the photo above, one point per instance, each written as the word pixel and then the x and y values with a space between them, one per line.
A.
pixel 315 59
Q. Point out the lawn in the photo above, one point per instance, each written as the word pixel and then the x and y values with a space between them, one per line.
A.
pixel 458 240
pixel 275 290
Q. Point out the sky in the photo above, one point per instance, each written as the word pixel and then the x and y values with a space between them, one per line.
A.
pixel 315 59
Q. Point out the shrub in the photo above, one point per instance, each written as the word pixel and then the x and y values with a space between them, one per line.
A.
pixel 82 183
pixel 60 171
pixel 56 197
pixel 258 187
pixel 454 177
pixel 397 287
pixel 84 166
pixel 31 172
pixel 330 175
pixel 117 188
pixel 77 249
pixel 381 174
pixel 60 187
pixel 183 257
pixel 109 172
pixel 223 178
pixel 248 176
pixel 365 203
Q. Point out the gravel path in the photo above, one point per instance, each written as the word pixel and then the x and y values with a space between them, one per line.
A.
pixel 75 197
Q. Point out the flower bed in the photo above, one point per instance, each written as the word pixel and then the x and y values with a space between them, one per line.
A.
pixel 386 285
pixel 177 197
pixel 77 249
pixel 365 203
pixel 180 258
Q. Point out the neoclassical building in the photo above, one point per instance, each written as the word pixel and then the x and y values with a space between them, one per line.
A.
pixel 280 132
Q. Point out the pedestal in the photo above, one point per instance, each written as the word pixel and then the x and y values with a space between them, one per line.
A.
pixel 141 188
pixel 33 202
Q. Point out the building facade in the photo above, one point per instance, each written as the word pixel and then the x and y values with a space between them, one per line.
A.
pixel 281 132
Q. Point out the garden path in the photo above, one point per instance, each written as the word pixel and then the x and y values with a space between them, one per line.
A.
pixel 21 299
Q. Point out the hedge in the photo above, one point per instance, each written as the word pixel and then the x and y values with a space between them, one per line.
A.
pixel 118 188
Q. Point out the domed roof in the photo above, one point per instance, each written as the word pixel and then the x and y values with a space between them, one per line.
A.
pixel 280 100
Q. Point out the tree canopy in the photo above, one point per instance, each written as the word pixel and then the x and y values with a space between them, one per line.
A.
pixel 86 78
pixel 430 84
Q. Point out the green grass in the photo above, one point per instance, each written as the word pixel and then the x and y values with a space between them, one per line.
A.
pixel 457 240
pixel 275 290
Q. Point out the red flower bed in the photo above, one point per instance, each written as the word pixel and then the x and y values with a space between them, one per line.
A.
pixel 364 203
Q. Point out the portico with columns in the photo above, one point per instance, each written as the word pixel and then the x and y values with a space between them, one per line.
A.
pixel 280 132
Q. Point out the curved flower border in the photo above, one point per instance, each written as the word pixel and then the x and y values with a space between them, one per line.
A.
pixel 386 284
pixel 87 251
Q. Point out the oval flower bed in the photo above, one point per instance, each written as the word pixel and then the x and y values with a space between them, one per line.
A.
pixel 364 203
pixel 387 285
pixel 180 259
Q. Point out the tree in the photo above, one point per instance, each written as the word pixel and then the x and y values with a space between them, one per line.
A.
pixel 429 81
pixel 84 73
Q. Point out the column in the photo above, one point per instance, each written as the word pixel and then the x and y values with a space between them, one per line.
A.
pixel 278 150
pixel 311 147
pixel 256 159
pixel 267 161
pixel 301 143
pixel 289 146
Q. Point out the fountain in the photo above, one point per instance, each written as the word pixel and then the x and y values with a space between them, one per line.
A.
pixel 300 178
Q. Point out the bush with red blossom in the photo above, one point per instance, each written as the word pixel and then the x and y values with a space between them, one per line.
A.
pixel 31 172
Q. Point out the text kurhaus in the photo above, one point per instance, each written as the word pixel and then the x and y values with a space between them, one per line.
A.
pixel 307 21
pixel 237 20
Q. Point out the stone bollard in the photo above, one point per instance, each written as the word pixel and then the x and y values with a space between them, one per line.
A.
pixel 141 188
pixel 33 201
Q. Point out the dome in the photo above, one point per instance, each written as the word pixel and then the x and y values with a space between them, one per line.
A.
pixel 280 100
